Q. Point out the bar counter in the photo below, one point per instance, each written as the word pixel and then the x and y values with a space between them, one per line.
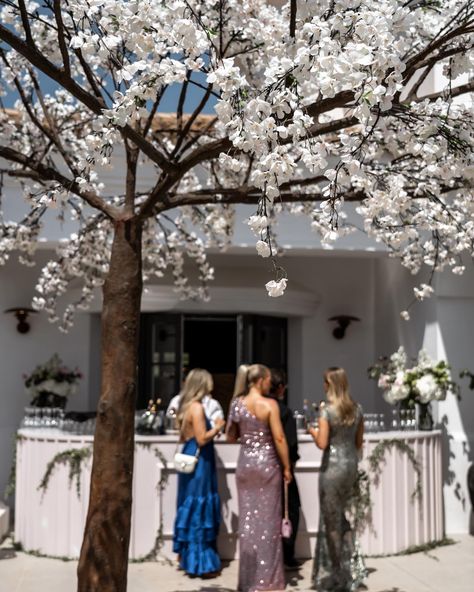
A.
pixel 51 521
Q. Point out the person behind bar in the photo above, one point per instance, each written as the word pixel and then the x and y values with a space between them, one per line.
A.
pixel 277 392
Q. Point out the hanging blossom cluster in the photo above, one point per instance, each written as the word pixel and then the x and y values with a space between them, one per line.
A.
pixel 304 115
pixel 409 163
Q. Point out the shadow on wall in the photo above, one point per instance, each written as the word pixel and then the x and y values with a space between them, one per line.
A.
pixel 458 435
pixel 449 459
pixel 394 287
pixel 470 487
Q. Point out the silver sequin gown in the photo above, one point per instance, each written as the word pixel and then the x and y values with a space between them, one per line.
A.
pixel 338 564
pixel 259 483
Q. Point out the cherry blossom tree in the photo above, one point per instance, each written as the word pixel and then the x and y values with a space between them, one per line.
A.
pixel 316 103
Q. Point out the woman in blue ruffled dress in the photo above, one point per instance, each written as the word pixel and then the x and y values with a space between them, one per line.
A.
pixel 198 507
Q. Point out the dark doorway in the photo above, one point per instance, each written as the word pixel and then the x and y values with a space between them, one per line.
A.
pixel 171 344
pixel 210 342
pixel 159 374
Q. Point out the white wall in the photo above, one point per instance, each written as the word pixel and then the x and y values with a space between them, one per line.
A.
pixel 455 313
pixel 20 353
pixel 444 326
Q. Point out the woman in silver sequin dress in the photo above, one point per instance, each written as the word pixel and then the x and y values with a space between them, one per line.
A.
pixel 255 419
pixel 338 566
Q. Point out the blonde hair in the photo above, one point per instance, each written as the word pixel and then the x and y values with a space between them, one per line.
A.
pixel 339 396
pixel 198 383
pixel 241 381
pixel 248 375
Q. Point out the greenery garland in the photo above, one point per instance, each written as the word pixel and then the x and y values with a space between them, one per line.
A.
pixel 11 484
pixel 160 487
pixel 361 501
pixel 74 458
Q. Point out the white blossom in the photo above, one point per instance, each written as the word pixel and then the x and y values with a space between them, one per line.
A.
pixel 329 115
pixel 263 249
pixel 276 288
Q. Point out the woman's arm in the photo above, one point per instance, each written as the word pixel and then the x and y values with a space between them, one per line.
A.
pixel 279 439
pixel 321 433
pixel 232 432
pixel 198 421
pixel 360 434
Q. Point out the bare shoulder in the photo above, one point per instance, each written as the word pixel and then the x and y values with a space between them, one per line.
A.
pixel 272 403
pixel 196 408
pixel 269 405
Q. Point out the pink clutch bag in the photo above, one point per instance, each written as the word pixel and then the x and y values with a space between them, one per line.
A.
pixel 286 527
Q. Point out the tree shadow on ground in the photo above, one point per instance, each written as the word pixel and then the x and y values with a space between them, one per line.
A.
pixel 394 589
pixel 7 553
pixel 293 578
pixel 213 588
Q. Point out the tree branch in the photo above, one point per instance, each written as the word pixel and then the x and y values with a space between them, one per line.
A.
pixel 61 40
pixel 26 22
pixel 95 104
pixel 131 179
pixel 417 61
pixel 293 9
pixel 455 92
pixel 47 173
pixel 242 196
pixel 339 100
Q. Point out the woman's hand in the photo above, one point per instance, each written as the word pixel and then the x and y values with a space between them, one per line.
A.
pixel 287 476
pixel 219 424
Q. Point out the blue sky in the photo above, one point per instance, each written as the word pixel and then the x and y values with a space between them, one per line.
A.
pixel 168 103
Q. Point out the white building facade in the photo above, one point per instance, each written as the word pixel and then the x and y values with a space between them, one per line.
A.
pixel 351 281
pixel 357 278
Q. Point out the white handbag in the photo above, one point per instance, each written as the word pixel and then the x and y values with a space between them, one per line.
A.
pixel 185 463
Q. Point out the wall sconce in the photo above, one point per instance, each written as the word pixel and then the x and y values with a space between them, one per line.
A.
pixel 21 313
pixel 343 321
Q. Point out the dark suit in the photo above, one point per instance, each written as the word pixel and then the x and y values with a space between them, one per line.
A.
pixel 289 427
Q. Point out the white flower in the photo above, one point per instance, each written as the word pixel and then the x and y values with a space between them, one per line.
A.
pixel 424 291
pixel 263 249
pixel 405 315
pixel 258 223
pixel 426 387
pixel 397 392
pixel 276 289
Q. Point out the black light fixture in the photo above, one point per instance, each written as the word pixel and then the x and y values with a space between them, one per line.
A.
pixel 343 321
pixel 21 313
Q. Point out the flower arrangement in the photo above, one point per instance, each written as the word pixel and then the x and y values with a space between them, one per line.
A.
pixel 51 383
pixel 424 381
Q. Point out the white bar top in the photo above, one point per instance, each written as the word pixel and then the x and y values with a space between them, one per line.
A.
pixel 56 435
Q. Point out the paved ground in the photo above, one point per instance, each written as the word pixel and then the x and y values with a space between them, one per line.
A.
pixel 445 569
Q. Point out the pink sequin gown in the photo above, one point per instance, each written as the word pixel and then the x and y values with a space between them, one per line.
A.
pixel 259 482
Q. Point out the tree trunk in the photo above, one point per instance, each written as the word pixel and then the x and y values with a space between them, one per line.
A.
pixel 104 554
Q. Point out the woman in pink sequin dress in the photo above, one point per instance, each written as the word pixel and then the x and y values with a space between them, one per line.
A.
pixel 255 419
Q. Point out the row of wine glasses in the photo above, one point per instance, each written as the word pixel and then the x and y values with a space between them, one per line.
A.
pixel 404 419
pixel 56 418
pixel 374 422
pixel 42 417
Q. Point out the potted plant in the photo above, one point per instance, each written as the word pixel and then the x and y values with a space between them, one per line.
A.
pixel 50 384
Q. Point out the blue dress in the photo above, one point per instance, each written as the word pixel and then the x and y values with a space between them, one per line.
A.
pixel 198 513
